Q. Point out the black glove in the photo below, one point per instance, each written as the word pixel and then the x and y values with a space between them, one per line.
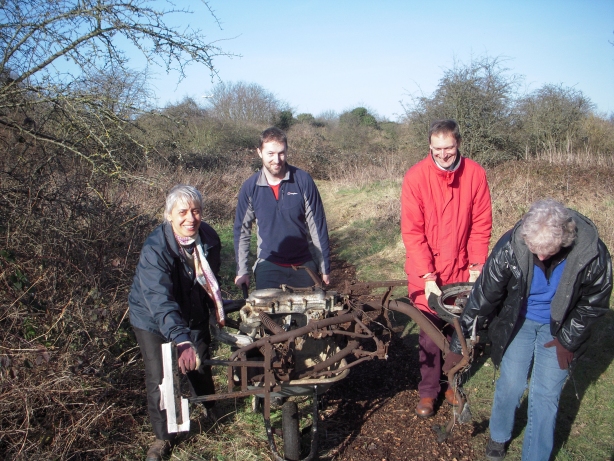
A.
pixel 563 355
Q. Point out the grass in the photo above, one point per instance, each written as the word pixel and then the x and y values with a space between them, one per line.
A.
pixel 364 227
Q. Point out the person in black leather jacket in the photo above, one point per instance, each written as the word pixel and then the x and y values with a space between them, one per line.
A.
pixel 174 289
pixel 544 286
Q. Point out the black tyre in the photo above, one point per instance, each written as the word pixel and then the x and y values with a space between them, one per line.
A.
pixel 452 300
pixel 290 426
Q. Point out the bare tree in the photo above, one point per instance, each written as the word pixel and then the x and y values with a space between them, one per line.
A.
pixel 245 103
pixel 65 76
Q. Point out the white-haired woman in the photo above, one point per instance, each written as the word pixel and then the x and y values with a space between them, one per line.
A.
pixel 174 290
pixel 546 282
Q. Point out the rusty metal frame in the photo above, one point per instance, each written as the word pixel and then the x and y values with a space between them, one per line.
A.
pixel 350 324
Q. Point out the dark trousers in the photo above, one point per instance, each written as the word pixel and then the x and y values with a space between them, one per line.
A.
pixel 430 359
pixel 201 380
pixel 270 275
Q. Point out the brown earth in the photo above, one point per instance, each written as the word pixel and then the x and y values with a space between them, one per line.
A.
pixel 370 414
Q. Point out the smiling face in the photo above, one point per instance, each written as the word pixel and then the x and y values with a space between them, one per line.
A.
pixel 185 219
pixel 444 149
pixel 273 155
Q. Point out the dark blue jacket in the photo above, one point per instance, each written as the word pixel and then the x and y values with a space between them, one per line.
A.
pixel 165 298
pixel 291 230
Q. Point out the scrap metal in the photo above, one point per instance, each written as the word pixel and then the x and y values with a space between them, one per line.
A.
pixel 299 341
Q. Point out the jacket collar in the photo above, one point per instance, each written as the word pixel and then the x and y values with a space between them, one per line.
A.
pixel 452 167
pixel 172 244
pixel 262 181
pixel 446 175
pixel 584 250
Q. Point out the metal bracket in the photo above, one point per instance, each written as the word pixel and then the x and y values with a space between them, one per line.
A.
pixel 176 406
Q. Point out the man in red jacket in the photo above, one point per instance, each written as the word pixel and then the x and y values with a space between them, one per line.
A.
pixel 446 220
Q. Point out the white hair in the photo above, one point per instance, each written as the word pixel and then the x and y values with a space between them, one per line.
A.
pixel 182 193
pixel 547 227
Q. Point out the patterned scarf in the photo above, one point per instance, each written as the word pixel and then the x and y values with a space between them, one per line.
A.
pixel 204 274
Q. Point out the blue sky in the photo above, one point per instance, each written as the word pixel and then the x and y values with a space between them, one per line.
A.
pixel 321 55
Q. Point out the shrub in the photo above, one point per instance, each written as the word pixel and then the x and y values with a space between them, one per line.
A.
pixel 551 118
pixel 358 116
pixel 284 120
pixel 598 134
pixel 305 118
pixel 245 103
pixel 479 97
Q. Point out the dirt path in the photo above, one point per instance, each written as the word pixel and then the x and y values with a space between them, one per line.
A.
pixel 370 414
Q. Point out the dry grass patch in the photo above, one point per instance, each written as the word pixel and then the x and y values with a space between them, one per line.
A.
pixel 515 185
pixel 365 227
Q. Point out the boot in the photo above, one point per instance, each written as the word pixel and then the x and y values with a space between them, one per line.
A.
pixel 158 450
pixel 425 407
pixel 450 398
pixel 495 451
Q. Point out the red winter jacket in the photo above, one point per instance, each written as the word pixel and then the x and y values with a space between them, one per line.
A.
pixel 446 220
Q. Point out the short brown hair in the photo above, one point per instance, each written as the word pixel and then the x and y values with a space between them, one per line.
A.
pixel 445 126
pixel 273 134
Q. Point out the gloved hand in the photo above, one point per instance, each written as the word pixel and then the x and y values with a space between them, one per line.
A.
pixel 474 272
pixel 563 355
pixel 188 358
pixel 430 286
pixel 452 359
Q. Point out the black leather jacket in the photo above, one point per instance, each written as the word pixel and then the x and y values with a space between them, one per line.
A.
pixel 165 299
pixel 502 289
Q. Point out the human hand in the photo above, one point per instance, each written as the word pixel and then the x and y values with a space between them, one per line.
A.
pixel 430 286
pixel 326 279
pixel 188 357
pixel 242 279
pixel 563 355
pixel 474 272
pixel 452 359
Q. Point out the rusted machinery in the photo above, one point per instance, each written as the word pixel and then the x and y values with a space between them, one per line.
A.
pixel 299 341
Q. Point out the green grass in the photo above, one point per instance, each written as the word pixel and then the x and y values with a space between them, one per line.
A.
pixel 369 240
pixel 228 270
pixel 364 227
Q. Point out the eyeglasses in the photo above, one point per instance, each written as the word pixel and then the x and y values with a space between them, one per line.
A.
pixel 447 150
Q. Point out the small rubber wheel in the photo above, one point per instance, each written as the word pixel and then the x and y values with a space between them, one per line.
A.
pixel 290 426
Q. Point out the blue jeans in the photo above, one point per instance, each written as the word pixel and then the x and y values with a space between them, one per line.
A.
pixel 526 352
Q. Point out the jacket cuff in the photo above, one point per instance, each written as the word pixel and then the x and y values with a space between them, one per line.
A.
pixel 182 338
